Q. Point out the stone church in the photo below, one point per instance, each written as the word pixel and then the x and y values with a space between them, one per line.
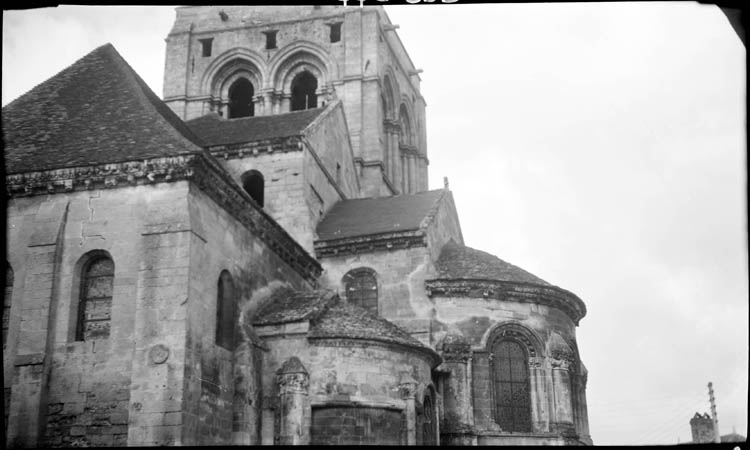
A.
pixel 255 258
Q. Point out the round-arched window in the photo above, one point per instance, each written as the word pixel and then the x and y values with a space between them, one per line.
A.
pixel 510 376
pixel 253 184
pixel 304 86
pixel 241 99
pixel 361 289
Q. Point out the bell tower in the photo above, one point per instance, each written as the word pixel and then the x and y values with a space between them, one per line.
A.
pixel 240 61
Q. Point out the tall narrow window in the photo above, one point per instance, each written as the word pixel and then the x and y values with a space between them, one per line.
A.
pixel 304 86
pixel 252 183
pixel 225 311
pixel 510 367
pixel 335 32
pixel 270 39
pixel 7 302
pixel 207 45
pixel 362 289
pixel 241 99
pixel 429 420
pixel 95 306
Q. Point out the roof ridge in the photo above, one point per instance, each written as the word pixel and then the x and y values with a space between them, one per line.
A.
pixel 56 75
pixel 149 99
pixel 430 217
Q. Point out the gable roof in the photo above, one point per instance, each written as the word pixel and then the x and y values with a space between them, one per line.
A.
pixel 459 261
pixel 215 130
pixel 96 111
pixel 367 216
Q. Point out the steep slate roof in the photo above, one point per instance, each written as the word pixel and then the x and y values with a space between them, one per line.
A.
pixel 215 130
pixel 353 322
pixel 96 111
pixel 460 261
pixel 287 305
pixel 331 318
pixel 366 216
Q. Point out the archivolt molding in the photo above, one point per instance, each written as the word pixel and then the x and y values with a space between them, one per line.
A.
pixel 230 62
pixel 518 332
pixel 552 296
pixel 299 56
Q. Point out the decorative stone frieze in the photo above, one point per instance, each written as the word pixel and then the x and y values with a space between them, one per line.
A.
pixel 107 176
pixel 455 348
pixel 371 243
pixel 198 168
pixel 245 149
pixel 509 291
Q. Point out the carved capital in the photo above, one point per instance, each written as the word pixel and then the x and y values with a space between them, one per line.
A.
pixel 455 348
pixel 561 364
pixel 293 382
pixel 407 390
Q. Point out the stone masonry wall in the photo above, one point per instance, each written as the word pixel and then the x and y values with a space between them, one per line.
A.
pixel 354 66
pixel 342 373
pixel 222 387
pixel 94 389
pixel 400 275
pixel 330 141
pixel 475 319
pixel 335 425
pixel 284 189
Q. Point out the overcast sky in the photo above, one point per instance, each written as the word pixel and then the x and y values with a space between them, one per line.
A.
pixel 598 146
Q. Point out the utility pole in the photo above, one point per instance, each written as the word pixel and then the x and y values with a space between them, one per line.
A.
pixel 717 437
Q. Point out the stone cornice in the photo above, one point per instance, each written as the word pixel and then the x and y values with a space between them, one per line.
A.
pixel 243 149
pixel 433 358
pixel 215 182
pixel 112 175
pixel 260 26
pixel 198 168
pixel 552 296
pixel 371 243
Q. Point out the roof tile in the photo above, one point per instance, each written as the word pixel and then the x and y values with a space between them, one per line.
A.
pixel 460 261
pixel 215 130
pixel 96 111
pixel 367 216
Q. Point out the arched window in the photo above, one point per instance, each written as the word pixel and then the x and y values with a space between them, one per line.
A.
pixel 95 305
pixel 362 289
pixel 7 302
pixel 429 421
pixel 510 376
pixel 253 184
pixel 225 311
pixel 405 137
pixel 241 99
pixel 304 86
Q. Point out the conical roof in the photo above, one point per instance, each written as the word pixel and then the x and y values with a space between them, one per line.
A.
pixel 96 111
pixel 343 320
pixel 329 317
pixel 458 261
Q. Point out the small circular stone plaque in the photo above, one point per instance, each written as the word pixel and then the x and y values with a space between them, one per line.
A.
pixel 158 353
